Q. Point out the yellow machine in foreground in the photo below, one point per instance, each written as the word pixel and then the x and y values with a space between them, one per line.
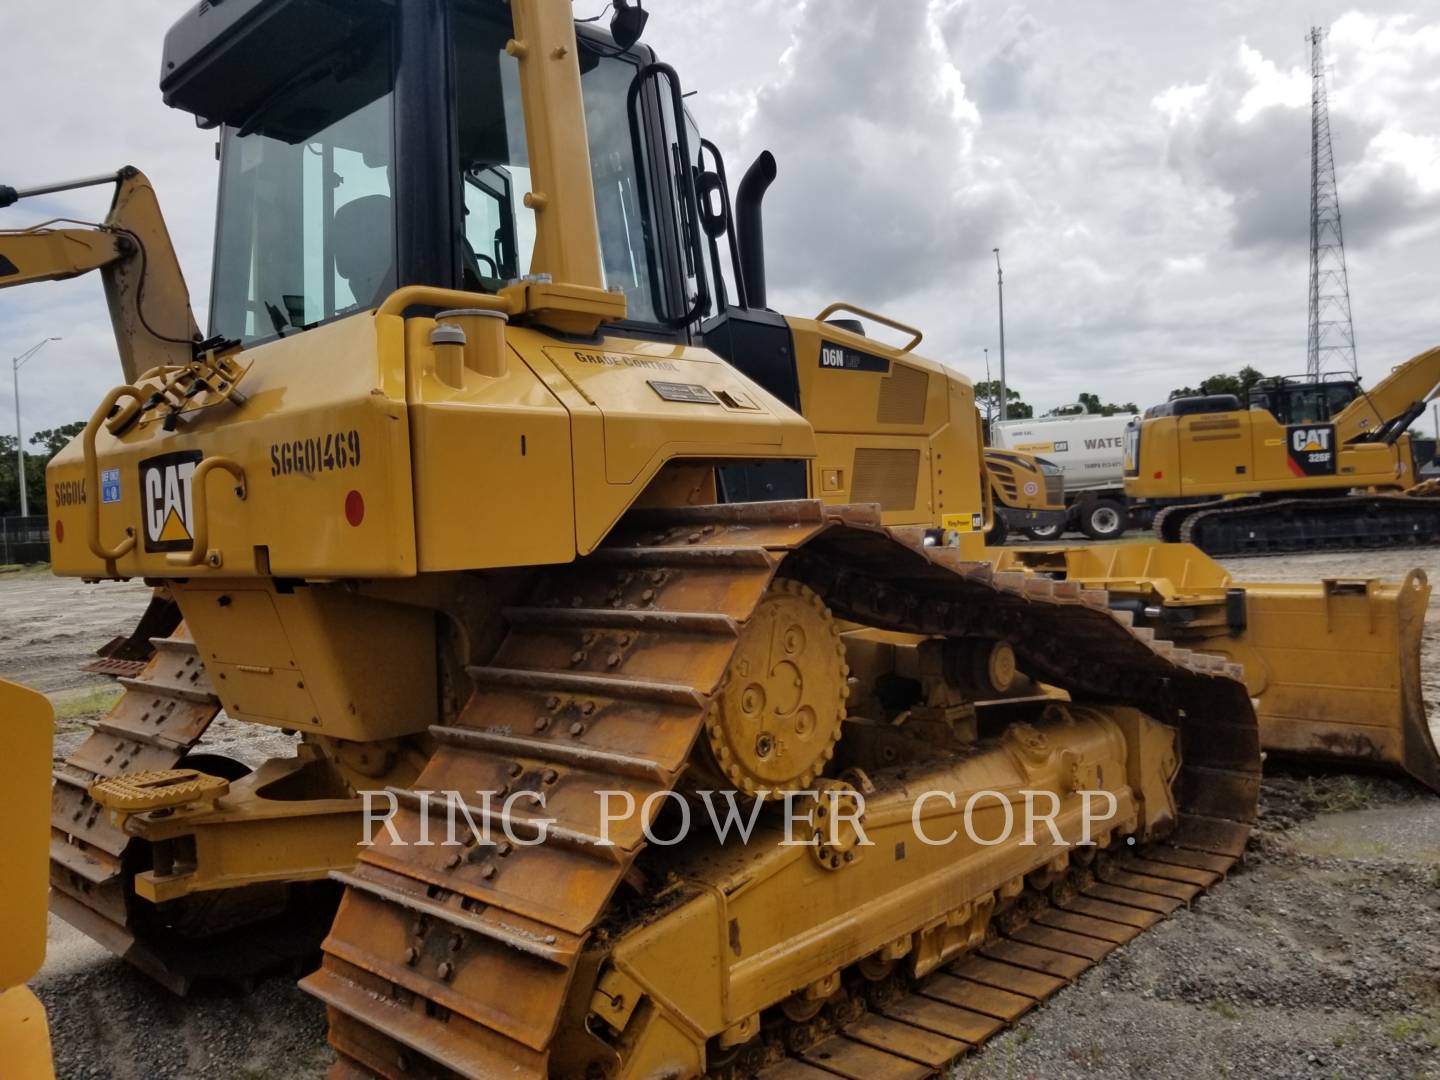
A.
pixel 1309 465
pixel 490 482
pixel 26 729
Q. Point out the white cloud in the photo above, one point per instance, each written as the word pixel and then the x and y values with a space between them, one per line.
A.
pixel 1144 169
pixel 1181 102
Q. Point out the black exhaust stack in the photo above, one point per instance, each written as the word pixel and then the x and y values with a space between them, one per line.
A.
pixel 750 226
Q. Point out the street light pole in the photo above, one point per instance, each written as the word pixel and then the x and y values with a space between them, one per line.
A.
pixel 1000 286
pixel 990 396
pixel 16 364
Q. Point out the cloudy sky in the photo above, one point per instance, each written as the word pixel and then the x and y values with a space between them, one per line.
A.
pixel 1144 168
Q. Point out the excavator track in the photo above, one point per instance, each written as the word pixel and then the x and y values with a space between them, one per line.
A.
pixel 1167 520
pixel 443 963
pixel 158 720
pixel 1342 523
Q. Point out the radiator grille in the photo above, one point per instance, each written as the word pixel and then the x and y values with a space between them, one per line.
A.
pixel 887 477
pixel 1004 477
pixel 1054 489
pixel 902 396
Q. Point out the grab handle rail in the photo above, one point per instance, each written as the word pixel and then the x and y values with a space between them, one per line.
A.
pixel 200 505
pixel 883 320
pixel 92 471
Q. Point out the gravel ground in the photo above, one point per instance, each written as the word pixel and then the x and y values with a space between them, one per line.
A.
pixel 1319 958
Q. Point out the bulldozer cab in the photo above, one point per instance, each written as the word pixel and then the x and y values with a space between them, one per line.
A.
pixel 352 164
pixel 1298 400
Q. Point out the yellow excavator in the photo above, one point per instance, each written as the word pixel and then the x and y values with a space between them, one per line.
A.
pixel 1309 465
pixel 26 730
pixel 491 481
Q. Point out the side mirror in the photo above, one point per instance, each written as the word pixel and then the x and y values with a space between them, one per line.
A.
pixel 628 23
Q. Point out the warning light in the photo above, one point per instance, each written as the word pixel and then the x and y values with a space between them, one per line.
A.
pixel 59 532
pixel 1160 474
pixel 355 508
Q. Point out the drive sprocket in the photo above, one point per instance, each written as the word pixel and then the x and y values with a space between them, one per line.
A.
pixel 775 722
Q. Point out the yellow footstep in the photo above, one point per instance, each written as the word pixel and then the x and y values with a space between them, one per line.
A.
pixel 136 793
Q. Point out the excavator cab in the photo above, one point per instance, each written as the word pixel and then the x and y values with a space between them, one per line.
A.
pixel 1301 400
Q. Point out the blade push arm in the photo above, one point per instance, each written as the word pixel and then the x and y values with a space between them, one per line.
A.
pixel 144 286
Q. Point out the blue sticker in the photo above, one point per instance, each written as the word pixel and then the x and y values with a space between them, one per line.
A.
pixel 110 486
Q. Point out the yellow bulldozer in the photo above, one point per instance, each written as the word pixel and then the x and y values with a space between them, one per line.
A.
pixel 498 488
pixel 1307 464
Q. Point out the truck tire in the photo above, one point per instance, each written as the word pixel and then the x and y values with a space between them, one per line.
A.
pixel 1045 533
pixel 1103 519
pixel 998 531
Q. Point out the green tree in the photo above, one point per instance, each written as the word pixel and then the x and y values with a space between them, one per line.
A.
pixel 40 448
pixel 56 439
pixel 987 400
pixel 1238 384
pixel 1093 404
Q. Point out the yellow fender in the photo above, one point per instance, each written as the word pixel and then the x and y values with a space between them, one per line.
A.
pixel 27 727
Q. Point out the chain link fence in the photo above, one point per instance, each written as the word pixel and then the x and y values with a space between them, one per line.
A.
pixel 24 540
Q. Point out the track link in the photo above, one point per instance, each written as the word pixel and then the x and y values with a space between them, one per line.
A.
pixel 441 963
pixel 910 1032
pixel 162 714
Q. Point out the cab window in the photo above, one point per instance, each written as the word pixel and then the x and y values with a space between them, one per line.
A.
pixel 498 237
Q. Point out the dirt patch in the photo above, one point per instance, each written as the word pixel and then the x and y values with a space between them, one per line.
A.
pixel 1318 958
pixel 49 626
pixel 109 1022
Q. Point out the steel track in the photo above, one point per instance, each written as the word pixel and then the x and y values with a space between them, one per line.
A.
pixel 1282 526
pixel 441 964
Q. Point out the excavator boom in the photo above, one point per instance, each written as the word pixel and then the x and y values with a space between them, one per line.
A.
pixel 1415 382
pixel 144 286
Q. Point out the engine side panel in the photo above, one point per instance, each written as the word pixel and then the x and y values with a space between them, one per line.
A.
pixel 891 428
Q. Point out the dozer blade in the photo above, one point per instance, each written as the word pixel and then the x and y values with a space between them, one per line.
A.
pixel 1336 669
pixel 1334 665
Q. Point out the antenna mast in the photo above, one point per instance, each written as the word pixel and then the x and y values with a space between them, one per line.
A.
pixel 1332 331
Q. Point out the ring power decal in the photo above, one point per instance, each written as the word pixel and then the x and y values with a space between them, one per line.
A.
pixel 1312 450
pixel 166 502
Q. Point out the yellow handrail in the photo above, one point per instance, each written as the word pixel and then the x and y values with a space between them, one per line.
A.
pixel 428 296
pixel 883 320
pixel 199 506
pixel 92 479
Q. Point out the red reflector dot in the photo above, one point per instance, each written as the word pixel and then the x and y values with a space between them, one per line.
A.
pixel 59 532
pixel 1159 476
pixel 355 508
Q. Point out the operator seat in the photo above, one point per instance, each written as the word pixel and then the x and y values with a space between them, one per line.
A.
pixel 365 249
